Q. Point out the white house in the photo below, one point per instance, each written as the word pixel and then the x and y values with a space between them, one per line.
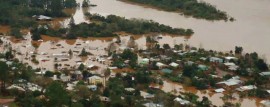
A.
pixel 160 65
pixel 95 80
pixel 173 64
pixel 216 60
pixel 181 101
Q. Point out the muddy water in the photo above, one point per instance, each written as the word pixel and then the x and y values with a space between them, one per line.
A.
pixel 250 30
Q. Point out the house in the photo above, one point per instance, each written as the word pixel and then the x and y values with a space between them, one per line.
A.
pixel 203 58
pixel 130 89
pixel 92 87
pixel 202 67
pixel 231 66
pixel 95 80
pixel 64 78
pixel 151 104
pixel 265 73
pixel 173 64
pixel 181 101
pixel 216 60
pixel 42 17
pixel 146 95
pixel 220 90
pixel 189 63
pixel 90 66
pixel 166 70
pixel 70 86
pixel 105 99
pixel 41 72
pixel 15 87
pixel 266 103
pixel 160 65
pixel 144 61
pixel 54 77
pixel 245 88
pixel 231 82
pixel 227 59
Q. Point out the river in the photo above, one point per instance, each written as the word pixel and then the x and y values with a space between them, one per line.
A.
pixel 250 30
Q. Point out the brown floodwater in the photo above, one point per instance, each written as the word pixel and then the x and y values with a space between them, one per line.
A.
pixel 250 30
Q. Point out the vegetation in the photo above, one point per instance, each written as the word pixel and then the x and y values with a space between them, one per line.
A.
pixel 18 13
pixel 187 7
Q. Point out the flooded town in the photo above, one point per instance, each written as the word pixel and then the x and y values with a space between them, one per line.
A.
pixel 95 54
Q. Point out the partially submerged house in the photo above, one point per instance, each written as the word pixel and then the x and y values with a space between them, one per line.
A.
pixel 231 82
pixel 245 88
pixel 181 101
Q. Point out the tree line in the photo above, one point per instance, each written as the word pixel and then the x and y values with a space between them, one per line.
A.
pixel 187 7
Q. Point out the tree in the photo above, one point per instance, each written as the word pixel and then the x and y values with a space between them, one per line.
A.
pixel 35 34
pixel 166 46
pixel 57 95
pixel 238 50
pixel 81 67
pixel 84 53
pixel 85 3
pixel 70 3
pixel 16 32
pixel 4 75
pixel 71 22
pixel 261 65
pixel 56 8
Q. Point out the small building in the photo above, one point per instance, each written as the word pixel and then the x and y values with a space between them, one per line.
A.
pixel 181 101
pixel 95 80
pixel 220 90
pixel 92 87
pixel 202 67
pixel 130 89
pixel 189 63
pixel 231 82
pixel 105 99
pixel 265 73
pixel 245 88
pixel 65 78
pixel 146 95
pixel 144 61
pixel 151 104
pixel 266 103
pixel 166 70
pixel 42 17
pixel 203 58
pixel 173 64
pixel 160 65
pixel 227 59
pixel 216 60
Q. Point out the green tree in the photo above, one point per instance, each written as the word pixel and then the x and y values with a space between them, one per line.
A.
pixel 70 3
pixel 35 34
pixel 16 32
pixel 57 95
pixel 4 75
pixel 56 8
